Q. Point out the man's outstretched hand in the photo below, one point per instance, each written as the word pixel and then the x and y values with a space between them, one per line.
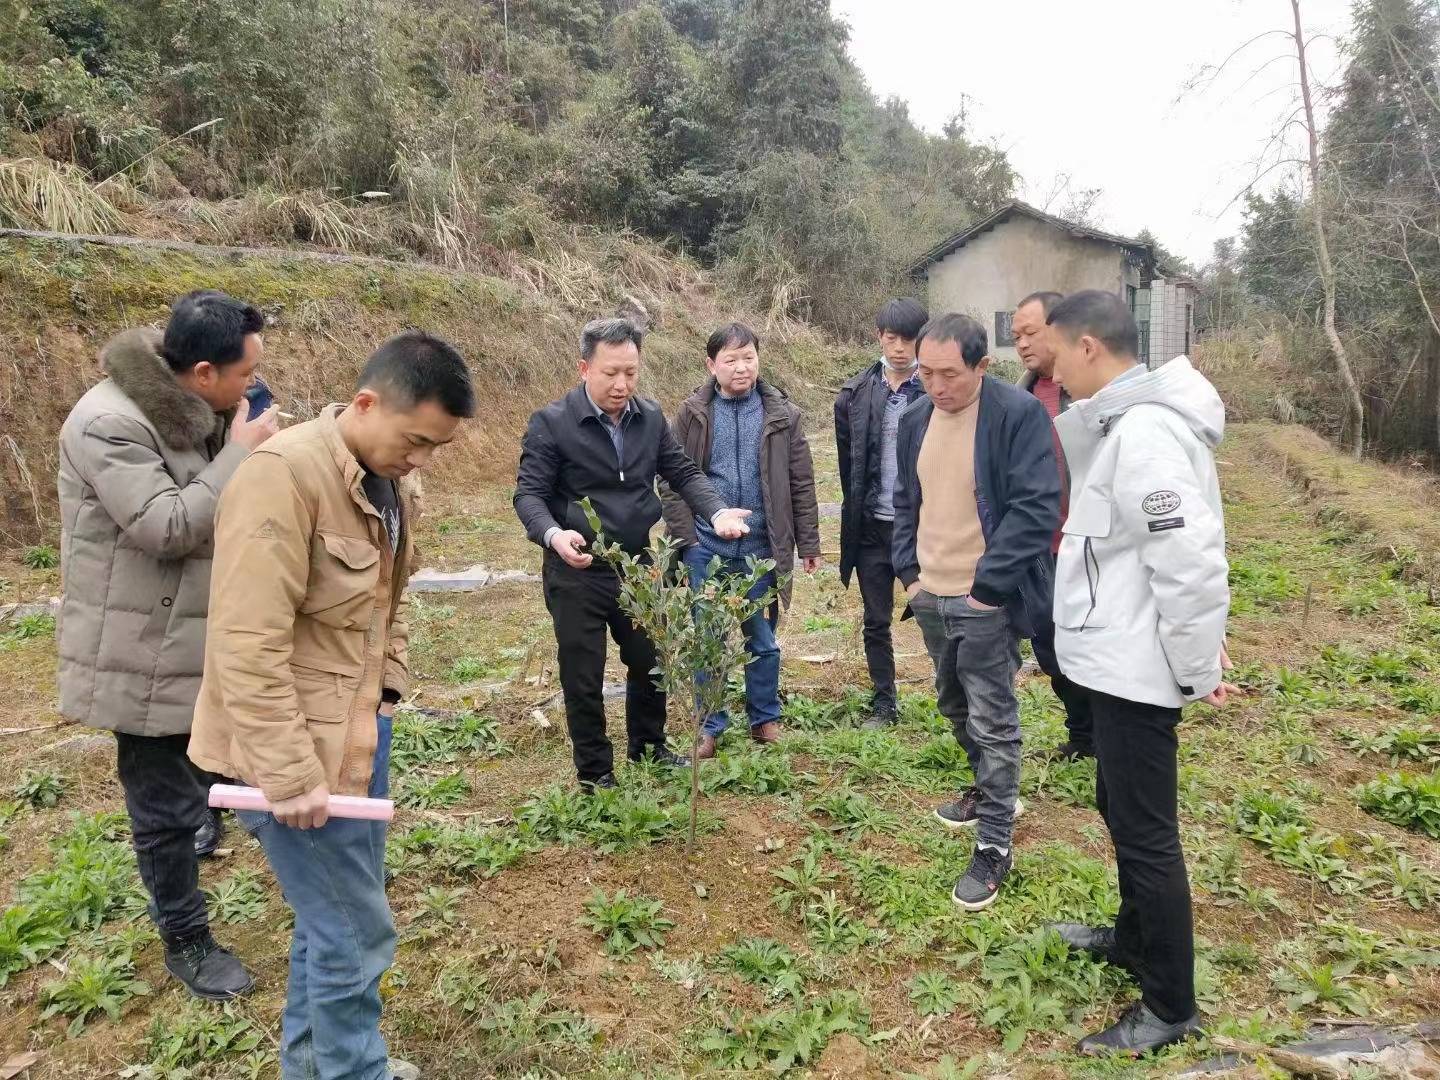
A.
pixel 730 524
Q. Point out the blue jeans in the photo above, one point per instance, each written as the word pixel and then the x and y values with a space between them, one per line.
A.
pixel 333 879
pixel 976 656
pixel 762 672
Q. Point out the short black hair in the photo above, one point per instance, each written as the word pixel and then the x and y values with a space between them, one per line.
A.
pixel 735 335
pixel 208 325
pixel 1046 299
pixel 1102 315
pixel 905 317
pixel 614 331
pixel 963 330
pixel 414 367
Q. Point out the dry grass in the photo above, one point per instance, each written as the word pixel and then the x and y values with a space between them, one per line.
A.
pixel 37 193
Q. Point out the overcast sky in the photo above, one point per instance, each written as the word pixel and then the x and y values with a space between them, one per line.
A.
pixel 1097 89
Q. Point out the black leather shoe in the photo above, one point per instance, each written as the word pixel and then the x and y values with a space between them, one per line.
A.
pixel 603 783
pixel 207 970
pixel 1138 1031
pixel 207 836
pixel 1098 941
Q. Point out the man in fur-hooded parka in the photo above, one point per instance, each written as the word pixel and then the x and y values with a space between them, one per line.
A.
pixel 144 456
pixel 142 462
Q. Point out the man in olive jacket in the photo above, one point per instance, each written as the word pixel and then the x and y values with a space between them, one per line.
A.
pixel 143 458
pixel 305 660
pixel 750 440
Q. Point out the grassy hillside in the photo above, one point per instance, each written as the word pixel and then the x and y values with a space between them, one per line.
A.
pixel 60 300
pixel 812 930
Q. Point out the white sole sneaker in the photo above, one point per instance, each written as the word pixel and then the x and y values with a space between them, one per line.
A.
pixel 1019 811
pixel 967 906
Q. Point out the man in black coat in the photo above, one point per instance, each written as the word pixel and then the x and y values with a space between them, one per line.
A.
pixel 602 442
pixel 867 417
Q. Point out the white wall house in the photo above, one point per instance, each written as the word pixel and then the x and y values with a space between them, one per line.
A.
pixel 985 269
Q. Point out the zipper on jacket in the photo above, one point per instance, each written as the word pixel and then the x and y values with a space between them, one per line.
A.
pixel 1093 585
pixel 739 476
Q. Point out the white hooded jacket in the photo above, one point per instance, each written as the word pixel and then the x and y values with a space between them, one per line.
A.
pixel 1141 584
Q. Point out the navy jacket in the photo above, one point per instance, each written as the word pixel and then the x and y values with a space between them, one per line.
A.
pixel 1017 491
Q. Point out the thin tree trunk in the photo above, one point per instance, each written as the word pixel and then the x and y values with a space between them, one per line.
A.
pixel 694 781
pixel 1355 411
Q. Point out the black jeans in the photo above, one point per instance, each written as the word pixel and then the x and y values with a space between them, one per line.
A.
pixel 166 796
pixel 875 569
pixel 1076 699
pixel 1136 791
pixel 584 604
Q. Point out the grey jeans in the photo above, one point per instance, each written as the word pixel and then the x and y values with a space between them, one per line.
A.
pixel 977 656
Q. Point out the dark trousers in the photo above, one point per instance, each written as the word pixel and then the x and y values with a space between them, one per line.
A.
pixel 584 605
pixel 1136 790
pixel 875 569
pixel 166 796
pixel 1076 699
pixel 976 656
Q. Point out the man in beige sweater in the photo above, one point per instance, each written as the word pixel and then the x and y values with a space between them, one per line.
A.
pixel 977 500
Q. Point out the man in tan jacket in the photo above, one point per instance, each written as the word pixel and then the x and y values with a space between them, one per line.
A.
pixel 304 661
pixel 144 456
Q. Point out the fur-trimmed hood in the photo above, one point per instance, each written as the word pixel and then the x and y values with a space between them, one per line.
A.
pixel 182 419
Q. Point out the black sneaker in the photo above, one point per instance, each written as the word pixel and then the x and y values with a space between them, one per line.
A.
pixel 1071 751
pixel 663 755
pixel 981 884
pixel 207 836
pixel 964 811
pixel 207 970
pixel 600 783
pixel 881 716
pixel 1138 1031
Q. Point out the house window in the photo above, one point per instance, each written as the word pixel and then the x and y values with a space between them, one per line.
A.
pixel 1004 332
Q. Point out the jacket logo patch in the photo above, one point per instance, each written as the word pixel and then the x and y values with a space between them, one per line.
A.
pixel 1167 524
pixel 1160 502
pixel 266 531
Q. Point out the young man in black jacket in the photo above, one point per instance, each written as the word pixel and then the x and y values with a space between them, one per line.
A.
pixel 867 416
pixel 602 442
pixel 977 499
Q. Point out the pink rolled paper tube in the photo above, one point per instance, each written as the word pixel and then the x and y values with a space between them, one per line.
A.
pixel 232 797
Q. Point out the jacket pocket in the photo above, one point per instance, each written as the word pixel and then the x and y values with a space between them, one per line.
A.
pixel 344 571
pixel 324 695
pixel 1079 574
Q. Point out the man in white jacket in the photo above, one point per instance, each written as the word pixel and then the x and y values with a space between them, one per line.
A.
pixel 1141 599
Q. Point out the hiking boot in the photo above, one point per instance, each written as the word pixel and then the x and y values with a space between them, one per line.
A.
pixel 768 732
pixel 207 836
pixel 1071 751
pixel 402 1070
pixel 600 783
pixel 964 811
pixel 705 747
pixel 663 755
pixel 981 884
pixel 1097 941
pixel 207 970
pixel 1138 1031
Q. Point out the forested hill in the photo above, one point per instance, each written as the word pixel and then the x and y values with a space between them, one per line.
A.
pixel 491 135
